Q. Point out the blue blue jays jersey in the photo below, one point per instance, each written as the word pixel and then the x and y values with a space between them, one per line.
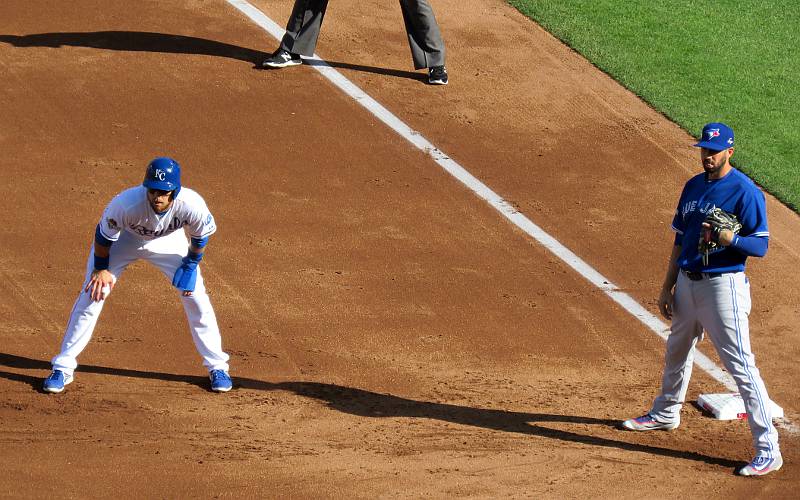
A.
pixel 735 193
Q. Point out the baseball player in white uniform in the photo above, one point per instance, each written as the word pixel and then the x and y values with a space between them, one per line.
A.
pixel 148 222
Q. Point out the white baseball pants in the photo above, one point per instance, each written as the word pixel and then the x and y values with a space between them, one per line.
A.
pixel 166 254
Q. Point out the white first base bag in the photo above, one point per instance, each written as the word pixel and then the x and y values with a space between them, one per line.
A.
pixel 729 406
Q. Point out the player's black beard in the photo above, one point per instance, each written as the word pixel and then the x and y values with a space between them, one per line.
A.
pixel 715 166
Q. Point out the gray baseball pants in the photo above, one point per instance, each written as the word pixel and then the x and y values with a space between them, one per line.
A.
pixel 720 305
pixel 424 37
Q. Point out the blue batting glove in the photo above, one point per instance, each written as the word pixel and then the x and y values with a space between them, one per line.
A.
pixel 186 275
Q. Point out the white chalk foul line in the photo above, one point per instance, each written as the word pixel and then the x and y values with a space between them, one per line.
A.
pixel 484 192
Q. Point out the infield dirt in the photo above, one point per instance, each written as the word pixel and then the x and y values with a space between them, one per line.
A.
pixel 391 335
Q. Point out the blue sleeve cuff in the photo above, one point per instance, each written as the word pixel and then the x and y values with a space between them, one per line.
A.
pixel 100 239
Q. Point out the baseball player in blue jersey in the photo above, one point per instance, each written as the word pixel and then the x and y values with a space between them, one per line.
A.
pixel 708 290
pixel 148 222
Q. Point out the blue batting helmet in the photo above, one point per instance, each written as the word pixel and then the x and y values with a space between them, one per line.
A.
pixel 163 174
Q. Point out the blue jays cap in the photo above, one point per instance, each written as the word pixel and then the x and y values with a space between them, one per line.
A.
pixel 716 137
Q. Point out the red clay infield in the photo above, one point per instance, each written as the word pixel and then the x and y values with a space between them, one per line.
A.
pixel 391 334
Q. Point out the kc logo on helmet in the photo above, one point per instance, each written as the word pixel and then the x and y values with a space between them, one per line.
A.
pixel 160 174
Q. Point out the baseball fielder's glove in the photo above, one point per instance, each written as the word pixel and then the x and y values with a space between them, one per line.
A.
pixel 718 220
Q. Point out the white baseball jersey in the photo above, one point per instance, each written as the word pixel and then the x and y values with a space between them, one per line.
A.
pixel 154 238
pixel 131 211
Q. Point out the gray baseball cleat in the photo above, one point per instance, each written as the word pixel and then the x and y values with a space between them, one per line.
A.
pixel 761 466
pixel 648 423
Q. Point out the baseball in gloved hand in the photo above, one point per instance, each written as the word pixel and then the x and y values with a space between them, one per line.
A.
pixel 717 220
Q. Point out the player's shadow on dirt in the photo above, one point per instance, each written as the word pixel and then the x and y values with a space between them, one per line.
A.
pixel 143 41
pixel 137 41
pixel 14 361
pixel 370 404
pixel 374 405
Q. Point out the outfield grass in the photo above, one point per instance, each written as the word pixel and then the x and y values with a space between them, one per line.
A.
pixel 696 61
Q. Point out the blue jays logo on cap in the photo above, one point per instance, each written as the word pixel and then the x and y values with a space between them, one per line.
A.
pixel 716 137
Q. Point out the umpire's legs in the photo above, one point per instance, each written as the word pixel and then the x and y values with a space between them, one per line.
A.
pixel 303 27
pixel 424 37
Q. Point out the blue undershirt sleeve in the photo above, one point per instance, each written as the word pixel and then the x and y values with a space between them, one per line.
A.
pixel 100 239
pixel 753 246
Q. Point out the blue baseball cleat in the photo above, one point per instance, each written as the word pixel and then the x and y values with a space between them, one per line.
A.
pixel 220 381
pixel 56 381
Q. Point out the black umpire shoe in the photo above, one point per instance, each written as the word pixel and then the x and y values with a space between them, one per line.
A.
pixel 437 75
pixel 281 58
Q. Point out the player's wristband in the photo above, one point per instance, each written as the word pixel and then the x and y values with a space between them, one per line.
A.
pixel 101 263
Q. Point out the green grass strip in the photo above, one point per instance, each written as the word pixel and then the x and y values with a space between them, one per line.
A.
pixel 696 61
